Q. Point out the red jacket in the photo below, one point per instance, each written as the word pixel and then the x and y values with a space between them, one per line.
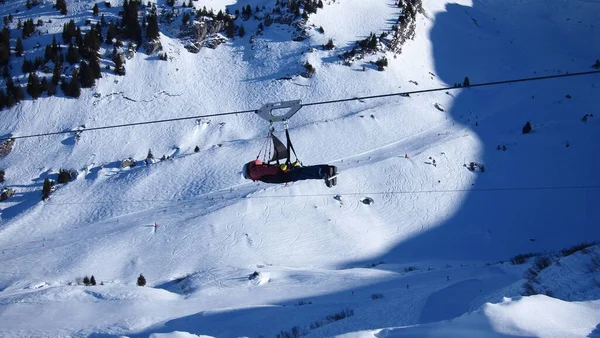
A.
pixel 257 169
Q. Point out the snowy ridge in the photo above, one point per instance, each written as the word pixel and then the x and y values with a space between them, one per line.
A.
pixel 419 261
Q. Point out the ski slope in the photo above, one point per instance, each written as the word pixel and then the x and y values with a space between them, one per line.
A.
pixel 430 243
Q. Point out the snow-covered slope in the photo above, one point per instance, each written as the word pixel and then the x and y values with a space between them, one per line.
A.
pixel 416 256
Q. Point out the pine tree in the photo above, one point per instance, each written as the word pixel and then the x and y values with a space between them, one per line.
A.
pixel 466 82
pixel 527 128
pixel 73 54
pixel 95 66
pixel 230 30
pixel 86 76
pixel 61 5
pixel 86 281
pixel 96 10
pixel 141 281
pixel 56 73
pixel 27 66
pixel 119 67
pixel 19 47
pixel 149 154
pixel 33 86
pixel 2 105
pixel 74 86
pixel 93 280
pixel 241 32
pixel 46 189
pixel 329 45
pixel 152 28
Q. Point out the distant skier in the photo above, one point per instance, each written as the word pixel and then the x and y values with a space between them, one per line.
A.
pixel 271 173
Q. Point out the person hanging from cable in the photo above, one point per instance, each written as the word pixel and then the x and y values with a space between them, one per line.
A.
pixel 273 171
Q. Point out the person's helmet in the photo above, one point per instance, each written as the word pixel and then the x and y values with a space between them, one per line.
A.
pixel 246 171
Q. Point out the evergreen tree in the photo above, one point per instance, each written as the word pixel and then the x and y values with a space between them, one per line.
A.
pixel 93 280
pixel 152 28
pixel 48 55
pixel 2 105
pixel 27 66
pixel 141 281
pixel 149 154
pixel 4 46
pixel 46 189
pixel 61 5
pixel 73 54
pixel 51 89
pixel 95 10
pixel 10 99
pixel 86 76
pixel 95 67
pixel 19 47
pixel 5 72
pixel 43 85
pixel 527 128
pixel 56 73
pixel 230 30
pixel 74 86
pixel 86 281
pixel 119 67
pixel 329 45
pixel 466 82
pixel 33 86
pixel 241 32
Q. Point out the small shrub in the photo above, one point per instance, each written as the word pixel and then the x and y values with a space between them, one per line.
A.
pixel 594 265
pixel 529 290
pixel 2 176
pixel 47 189
pixel 575 248
pixel 597 64
pixel 197 149
pixel 316 325
pixel 376 296
pixel 149 154
pixel 340 315
pixel 141 281
pixel 294 332
pixel 329 45
pixel 410 268
pixel 522 258
pixel 527 128
pixel 381 63
pixel 64 176
pixel 310 70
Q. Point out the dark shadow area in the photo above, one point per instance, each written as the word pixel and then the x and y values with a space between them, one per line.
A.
pixel 496 225
pixel 595 333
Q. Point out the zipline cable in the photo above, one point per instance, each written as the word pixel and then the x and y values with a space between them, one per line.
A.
pixel 307 104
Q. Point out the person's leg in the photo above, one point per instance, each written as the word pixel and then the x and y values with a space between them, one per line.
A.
pixel 314 172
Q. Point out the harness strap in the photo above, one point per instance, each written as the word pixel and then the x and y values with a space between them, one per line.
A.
pixel 290 146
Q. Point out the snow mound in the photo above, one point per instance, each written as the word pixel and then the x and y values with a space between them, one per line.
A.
pixel 537 316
